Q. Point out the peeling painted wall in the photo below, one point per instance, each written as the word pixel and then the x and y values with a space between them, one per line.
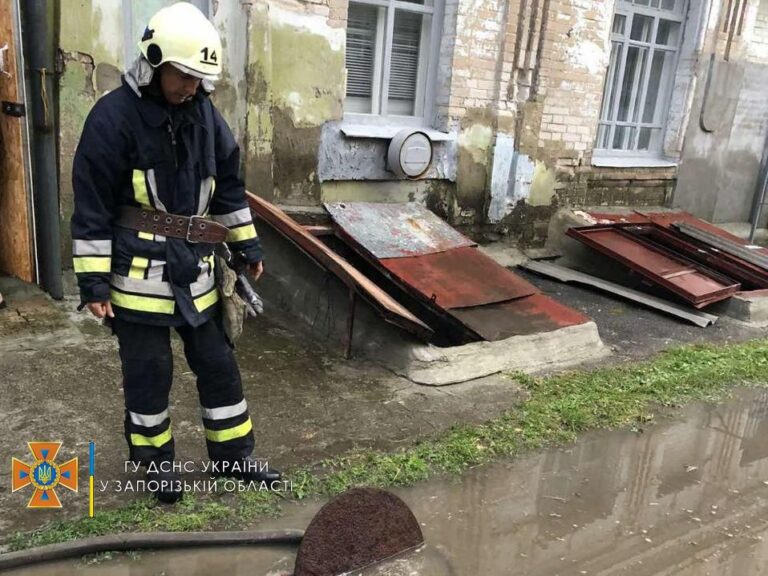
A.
pixel 307 82
pixel 90 60
pixel 360 159
pixel 92 57
pixel 518 88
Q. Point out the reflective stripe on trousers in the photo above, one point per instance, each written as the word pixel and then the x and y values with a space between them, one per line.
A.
pixel 147 363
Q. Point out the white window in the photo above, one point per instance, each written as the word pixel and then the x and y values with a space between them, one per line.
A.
pixel 391 58
pixel 645 38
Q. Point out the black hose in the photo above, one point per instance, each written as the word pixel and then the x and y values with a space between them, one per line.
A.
pixel 144 541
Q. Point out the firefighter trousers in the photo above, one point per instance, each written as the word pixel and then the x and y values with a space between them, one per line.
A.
pixel 147 365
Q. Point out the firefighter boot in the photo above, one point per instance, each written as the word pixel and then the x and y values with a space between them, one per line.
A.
pixel 165 486
pixel 249 470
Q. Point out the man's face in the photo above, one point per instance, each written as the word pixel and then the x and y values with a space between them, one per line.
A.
pixel 177 86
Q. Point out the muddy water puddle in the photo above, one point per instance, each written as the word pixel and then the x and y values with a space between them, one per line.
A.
pixel 687 497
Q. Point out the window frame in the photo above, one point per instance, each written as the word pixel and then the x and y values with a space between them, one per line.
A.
pixel 424 101
pixel 667 83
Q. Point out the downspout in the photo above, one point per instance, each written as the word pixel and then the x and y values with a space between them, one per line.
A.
pixel 39 44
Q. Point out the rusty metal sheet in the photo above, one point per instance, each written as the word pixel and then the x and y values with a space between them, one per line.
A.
pixel 753 254
pixel 459 278
pixel 664 269
pixel 391 310
pixel 530 315
pixel 668 219
pixel 395 230
pixel 749 275
pixel 570 276
pixel 433 263
pixel 618 217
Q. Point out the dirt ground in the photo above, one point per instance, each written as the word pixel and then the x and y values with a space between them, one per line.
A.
pixel 60 380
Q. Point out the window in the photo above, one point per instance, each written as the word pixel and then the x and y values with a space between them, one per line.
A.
pixel 390 58
pixel 645 39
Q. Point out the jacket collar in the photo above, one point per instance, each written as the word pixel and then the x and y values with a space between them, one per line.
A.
pixel 139 78
pixel 156 113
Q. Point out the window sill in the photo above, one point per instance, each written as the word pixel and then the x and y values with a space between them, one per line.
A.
pixel 388 131
pixel 632 162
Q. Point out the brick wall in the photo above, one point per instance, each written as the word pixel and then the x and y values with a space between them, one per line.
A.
pixel 533 71
pixel 757 50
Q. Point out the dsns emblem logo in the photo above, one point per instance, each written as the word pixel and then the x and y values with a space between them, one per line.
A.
pixel 44 475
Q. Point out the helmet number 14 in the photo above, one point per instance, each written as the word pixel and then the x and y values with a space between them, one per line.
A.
pixel 208 57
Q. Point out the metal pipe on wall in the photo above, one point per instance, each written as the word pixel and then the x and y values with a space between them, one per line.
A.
pixel 39 44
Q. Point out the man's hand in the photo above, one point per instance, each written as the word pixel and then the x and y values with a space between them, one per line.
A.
pixel 256 269
pixel 101 309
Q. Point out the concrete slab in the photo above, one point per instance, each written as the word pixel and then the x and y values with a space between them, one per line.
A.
pixel 748 307
pixel 530 354
pixel 503 254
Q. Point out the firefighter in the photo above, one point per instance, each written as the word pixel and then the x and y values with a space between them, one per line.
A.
pixel 156 186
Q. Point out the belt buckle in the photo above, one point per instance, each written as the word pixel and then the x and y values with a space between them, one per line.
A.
pixel 189 228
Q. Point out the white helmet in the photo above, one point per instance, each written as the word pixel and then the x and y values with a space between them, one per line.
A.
pixel 182 35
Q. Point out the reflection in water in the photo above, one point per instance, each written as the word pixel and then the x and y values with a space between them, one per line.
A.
pixel 686 498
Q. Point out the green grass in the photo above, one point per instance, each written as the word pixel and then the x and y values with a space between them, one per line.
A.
pixel 558 408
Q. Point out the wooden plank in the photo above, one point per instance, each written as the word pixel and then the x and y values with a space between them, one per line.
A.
pixel 391 310
pixel 319 231
pixel 15 219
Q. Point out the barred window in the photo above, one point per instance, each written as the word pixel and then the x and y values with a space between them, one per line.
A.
pixel 646 37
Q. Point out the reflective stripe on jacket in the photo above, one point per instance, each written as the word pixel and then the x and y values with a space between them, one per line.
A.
pixel 183 160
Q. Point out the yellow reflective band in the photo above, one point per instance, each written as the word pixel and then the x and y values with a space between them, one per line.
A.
pixel 138 267
pixel 242 233
pixel 207 300
pixel 229 433
pixel 156 441
pixel 92 264
pixel 140 188
pixel 146 236
pixel 142 303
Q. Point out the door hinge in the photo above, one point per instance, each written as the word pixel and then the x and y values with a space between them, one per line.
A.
pixel 14 109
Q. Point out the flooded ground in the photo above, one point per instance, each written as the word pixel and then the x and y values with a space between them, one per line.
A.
pixel 687 497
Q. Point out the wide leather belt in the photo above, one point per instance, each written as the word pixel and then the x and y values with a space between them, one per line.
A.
pixel 191 228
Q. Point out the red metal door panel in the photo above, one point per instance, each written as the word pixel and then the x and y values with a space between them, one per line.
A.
pixel 667 219
pixel 532 315
pixel 676 275
pixel 429 260
pixel 459 278
pixel 747 274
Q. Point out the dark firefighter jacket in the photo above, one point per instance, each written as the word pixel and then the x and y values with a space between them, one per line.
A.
pixel 136 150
